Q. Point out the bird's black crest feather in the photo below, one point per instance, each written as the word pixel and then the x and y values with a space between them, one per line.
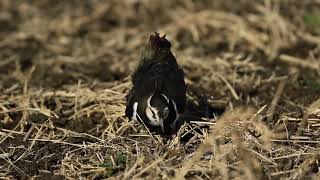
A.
pixel 157 42
pixel 157 48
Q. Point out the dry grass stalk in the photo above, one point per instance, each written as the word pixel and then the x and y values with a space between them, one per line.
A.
pixel 65 70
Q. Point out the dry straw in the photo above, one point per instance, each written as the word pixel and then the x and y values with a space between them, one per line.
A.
pixel 65 71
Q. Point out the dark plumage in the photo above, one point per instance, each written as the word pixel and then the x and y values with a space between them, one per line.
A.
pixel 158 95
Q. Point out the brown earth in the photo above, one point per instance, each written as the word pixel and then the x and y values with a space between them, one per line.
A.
pixel 65 70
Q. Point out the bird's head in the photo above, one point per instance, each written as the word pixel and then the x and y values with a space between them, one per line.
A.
pixel 157 48
pixel 157 109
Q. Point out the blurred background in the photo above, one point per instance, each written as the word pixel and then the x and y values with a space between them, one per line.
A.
pixel 67 65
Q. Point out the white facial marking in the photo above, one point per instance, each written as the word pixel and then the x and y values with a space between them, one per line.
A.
pixel 148 101
pixel 152 114
pixel 165 98
pixel 135 107
pixel 177 113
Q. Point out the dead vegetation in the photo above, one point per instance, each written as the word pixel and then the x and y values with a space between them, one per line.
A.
pixel 65 70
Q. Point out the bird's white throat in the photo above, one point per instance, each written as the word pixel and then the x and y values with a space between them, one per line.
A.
pixel 152 113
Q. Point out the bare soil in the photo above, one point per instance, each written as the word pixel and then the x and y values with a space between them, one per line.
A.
pixel 252 70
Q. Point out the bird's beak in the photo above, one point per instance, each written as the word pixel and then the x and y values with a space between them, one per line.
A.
pixel 161 125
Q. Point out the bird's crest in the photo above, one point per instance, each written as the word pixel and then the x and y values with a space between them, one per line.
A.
pixel 156 48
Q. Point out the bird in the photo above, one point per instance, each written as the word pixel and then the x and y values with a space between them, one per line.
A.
pixel 158 94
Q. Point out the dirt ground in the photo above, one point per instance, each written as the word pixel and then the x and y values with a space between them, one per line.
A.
pixel 65 70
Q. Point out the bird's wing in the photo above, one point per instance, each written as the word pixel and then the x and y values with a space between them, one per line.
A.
pixel 174 87
pixel 167 79
pixel 145 83
pixel 129 105
pixel 160 77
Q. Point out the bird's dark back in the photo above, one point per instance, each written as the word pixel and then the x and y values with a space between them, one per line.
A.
pixel 159 72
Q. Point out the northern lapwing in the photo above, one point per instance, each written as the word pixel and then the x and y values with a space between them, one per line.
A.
pixel 158 95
